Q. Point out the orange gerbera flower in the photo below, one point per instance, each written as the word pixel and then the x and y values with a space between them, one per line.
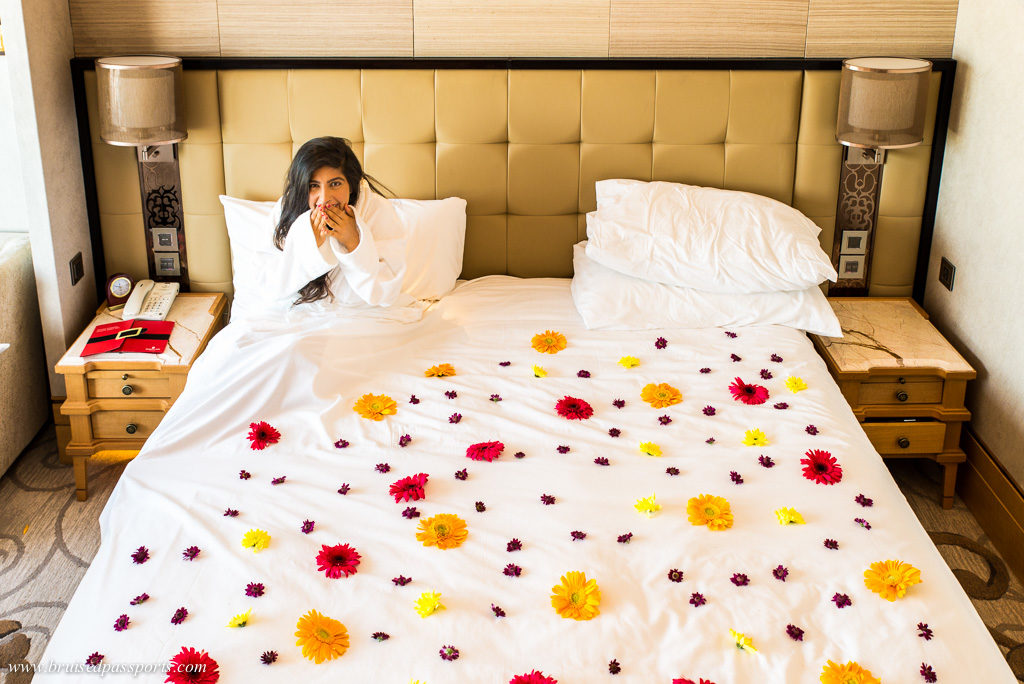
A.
pixel 890 579
pixel 548 342
pixel 444 530
pixel 321 638
pixel 713 511
pixel 576 597
pixel 441 370
pixel 850 673
pixel 375 406
pixel 661 395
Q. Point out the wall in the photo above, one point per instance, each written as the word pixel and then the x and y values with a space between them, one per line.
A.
pixel 12 200
pixel 538 28
pixel 979 224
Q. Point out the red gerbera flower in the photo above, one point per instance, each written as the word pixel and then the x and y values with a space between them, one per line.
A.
pixel 484 451
pixel 747 393
pixel 409 488
pixel 190 666
pixel 340 560
pixel 533 677
pixel 261 435
pixel 684 680
pixel 572 408
pixel 821 467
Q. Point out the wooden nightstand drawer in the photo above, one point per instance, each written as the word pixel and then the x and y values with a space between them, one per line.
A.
pixel 898 438
pixel 913 390
pixel 125 424
pixel 111 384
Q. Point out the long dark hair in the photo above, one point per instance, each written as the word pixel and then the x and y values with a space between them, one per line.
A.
pixel 315 154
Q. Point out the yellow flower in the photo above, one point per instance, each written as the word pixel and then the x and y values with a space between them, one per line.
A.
pixel 795 384
pixel 444 530
pixel 789 516
pixel 890 579
pixel 375 406
pixel 850 673
pixel 661 395
pixel 647 506
pixel 576 597
pixel 539 372
pixel 240 620
pixel 257 540
pixel 441 370
pixel 743 642
pixel 429 603
pixel 321 638
pixel 650 448
pixel 548 342
pixel 629 362
pixel 713 511
pixel 755 437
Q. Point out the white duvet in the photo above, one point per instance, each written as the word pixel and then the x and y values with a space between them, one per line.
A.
pixel 304 379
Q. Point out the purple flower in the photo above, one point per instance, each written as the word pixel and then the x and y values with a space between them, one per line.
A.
pixel 841 600
pixel 864 501
pixel 709 440
pixel 95 659
pixel 480 507
pixel 254 589
pixel 179 616
pixel 244 474
pixel 776 358
pixel 795 633
pixel 140 599
pixel 614 432
pixel 514 545
pixel 380 636
pixel 735 357
pixel 705 370
pixel 121 623
pixel 578 535
pixel 140 556
pixel 924 631
pixel 278 480
pixel 404 440
pixel 601 461
pixel 781 406
pixel 455 418
pixel 504 363
pixel 190 553
pixel 268 657
pixel 461 474
pixel 739 579
pixel 410 513
pixel 697 599
pixel 451 394
pixel 735 477
pixel 342 443
pixel 343 489
pixel 401 580
pixel 382 468
pixel 307 526
pixel 675 575
pixel 512 570
pixel 928 673
pixel 613 666
pixel 519 454
pixel 230 513
pixel 780 573
pixel 498 612
pixel 449 653
pixel 624 538
pixel 618 403
pixel 766 374
pixel 709 410
pixel 413 399
pixel 811 430
pixel 495 398
pixel 547 499
pixel 765 461
pixel 563 449
pixel 664 420
pixel 863 523
pixel 660 343
pixel 831 544
pixel 730 334
pixel 672 470
pixel 583 374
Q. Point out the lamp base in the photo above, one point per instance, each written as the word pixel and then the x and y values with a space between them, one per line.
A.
pixel 860 180
pixel 162 215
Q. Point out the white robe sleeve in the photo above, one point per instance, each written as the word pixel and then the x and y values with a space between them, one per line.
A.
pixel 300 262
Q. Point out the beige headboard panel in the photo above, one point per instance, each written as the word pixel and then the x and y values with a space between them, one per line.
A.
pixel 522 146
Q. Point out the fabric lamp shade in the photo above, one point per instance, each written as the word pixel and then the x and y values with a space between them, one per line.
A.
pixel 141 100
pixel 882 102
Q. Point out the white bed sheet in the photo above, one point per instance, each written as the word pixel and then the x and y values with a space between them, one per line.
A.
pixel 304 381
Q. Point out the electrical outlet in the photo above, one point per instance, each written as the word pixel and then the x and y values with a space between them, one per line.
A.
pixel 946 272
pixel 77 268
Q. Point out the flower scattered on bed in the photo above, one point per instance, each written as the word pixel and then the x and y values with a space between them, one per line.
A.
pixel 343 443
pixel 533 677
pixel 404 440
pixel 794 633
pixel 441 370
pixel 765 461
pixel 821 467
pixel 614 667
pixel 495 398
pixel 624 538
pixel 451 394
pixel 230 512
pixel 924 631
pixel 789 516
pixel 410 513
pixel 409 488
pixel 340 560
pixel 344 488
pixel 504 364
pixel 413 399
pixel 578 535
pixel 675 575
pixel 244 474
pixel 380 636
pixel 563 449
pixel 697 599
pixel 573 408
pixel 766 374
pixel 179 616
pixel 755 437
pixel 257 540
pixel 547 499
pixel 661 395
pixel 576 597
pixel 735 477
pixel 685 680
pixel 664 420
pixel 461 474
pixel 538 371
pixel 748 393
pixel 514 545
pixel 781 406
pixel 831 545
pixel 672 471
pixel 742 641
pixel 455 418
pixel 261 435
pixel 739 579
pixel 254 589
pixel 864 501
pixel 841 600
pixel 444 530
pixel 480 506
pixel 140 555
pixel 618 403
pixel 240 620
pixel 660 343
pixel 582 374
pixel 191 666
pixel 485 451
pixel 429 603
pixel 811 430
pixel 498 611
pixel 780 572
pixel 94 659
pixel 548 342
pixel 709 510
pixel 122 623
pixel 928 674
pixel 382 468
pixel 268 657
pixel 650 448
pixel 863 523
pixel 736 358
pixel 647 505
pixel 375 406
pixel 890 579
pixel 709 410
pixel 320 637
pixel 449 653
pixel 795 384
pixel 602 461
pixel 278 480
pixel 629 362
pixel 850 673
pixel 776 358
pixel 705 370
pixel 709 440
pixel 401 580
pixel 614 432
pixel 307 526
pixel 191 553
pixel 140 599
pixel 512 570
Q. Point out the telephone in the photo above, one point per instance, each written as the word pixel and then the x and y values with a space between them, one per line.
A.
pixel 150 301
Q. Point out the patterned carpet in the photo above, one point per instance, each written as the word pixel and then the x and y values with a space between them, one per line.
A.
pixel 47 540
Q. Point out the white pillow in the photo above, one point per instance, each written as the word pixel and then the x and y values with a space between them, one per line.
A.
pixel 251 237
pixel 435 240
pixel 705 238
pixel 609 300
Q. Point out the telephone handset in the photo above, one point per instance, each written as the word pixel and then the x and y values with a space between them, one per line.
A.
pixel 150 301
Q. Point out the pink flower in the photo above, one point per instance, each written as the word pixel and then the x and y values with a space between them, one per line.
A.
pixel 340 560
pixel 485 451
pixel 533 677
pixel 409 488
pixel 572 408
pixel 747 393
pixel 191 665
pixel 261 435
pixel 821 467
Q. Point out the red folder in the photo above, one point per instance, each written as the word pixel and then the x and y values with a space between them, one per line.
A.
pixel 149 337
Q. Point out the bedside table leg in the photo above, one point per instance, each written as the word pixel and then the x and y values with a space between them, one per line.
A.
pixel 81 487
pixel 948 484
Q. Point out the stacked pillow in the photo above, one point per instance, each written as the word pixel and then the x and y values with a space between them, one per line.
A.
pixel 664 254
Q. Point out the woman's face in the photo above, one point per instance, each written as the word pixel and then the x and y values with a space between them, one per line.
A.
pixel 328 186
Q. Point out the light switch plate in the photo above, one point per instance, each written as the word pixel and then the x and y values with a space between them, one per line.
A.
pixel 946 273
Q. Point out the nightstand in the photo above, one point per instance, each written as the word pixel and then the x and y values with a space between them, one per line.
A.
pixel 904 381
pixel 116 400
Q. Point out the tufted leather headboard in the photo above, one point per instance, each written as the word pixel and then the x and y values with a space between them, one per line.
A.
pixel 522 145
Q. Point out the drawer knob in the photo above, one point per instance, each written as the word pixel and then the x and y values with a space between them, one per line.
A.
pixel 903 443
pixel 124 377
pixel 902 396
pixel 131 428
pixel 127 389
pixel 902 380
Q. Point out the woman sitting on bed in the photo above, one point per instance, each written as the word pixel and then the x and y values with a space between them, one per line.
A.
pixel 341 239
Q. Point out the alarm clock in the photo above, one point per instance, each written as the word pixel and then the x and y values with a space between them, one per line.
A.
pixel 119 286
